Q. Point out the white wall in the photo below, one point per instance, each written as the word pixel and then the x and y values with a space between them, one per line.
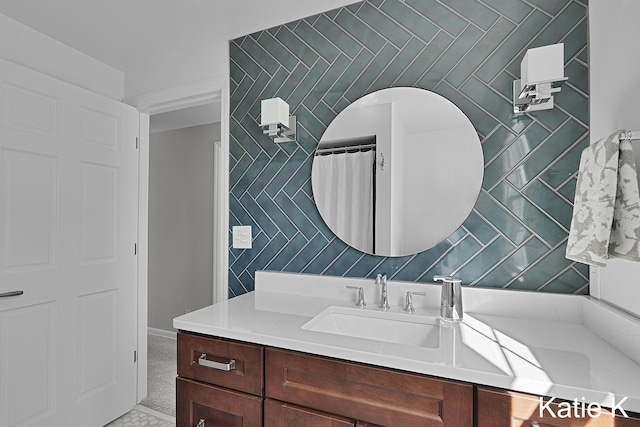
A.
pixel 212 63
pixel 614 65
pixel 24 46
pixel 180 222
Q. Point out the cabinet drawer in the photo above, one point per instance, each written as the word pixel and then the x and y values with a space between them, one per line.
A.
pixel 225 363
pixel 503 408
pixel 279 414
pixel 375 395
pixel 216 406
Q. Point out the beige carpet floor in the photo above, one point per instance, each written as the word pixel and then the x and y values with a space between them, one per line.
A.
pixel 161 376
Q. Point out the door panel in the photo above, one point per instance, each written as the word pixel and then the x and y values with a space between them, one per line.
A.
pixel 99 215
pixel 29 214
pixel 97 352
pixel 28 341
pixel 30 110
pixel 68 225
pixel 100 129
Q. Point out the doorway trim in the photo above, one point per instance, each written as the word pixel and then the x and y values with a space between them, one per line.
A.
pixel 176 98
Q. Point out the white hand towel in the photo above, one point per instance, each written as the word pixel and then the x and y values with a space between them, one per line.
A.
pixel 606 210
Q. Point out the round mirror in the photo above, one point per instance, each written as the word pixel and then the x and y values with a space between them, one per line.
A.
pixel 397 171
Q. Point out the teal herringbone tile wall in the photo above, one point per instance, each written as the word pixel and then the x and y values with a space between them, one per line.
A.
pixel 468 51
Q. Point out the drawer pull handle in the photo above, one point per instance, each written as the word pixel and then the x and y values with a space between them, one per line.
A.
pixel 201 423
pixel 11 294
pixel 202 361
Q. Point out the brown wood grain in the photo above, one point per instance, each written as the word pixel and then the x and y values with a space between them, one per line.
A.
pixel 504 408
pixel 217 406
pixel 279 414
pixel 366 393
pixel 248 375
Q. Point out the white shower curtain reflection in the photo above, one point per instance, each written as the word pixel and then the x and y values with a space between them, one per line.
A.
pixel 345 199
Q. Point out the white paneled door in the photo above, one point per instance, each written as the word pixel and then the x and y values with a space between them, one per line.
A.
pixel 68 227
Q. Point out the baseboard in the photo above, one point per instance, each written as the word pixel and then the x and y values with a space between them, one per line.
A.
pixel 162 333
pixel 155 413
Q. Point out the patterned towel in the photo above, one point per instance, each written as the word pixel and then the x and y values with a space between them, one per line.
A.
pixel 606 210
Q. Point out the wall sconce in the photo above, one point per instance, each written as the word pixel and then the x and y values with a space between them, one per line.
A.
pixel 276 122
pixel 542 74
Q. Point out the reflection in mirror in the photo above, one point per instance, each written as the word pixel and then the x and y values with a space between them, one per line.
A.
pixel 397 171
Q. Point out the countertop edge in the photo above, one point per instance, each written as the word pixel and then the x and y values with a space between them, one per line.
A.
pixel 561 391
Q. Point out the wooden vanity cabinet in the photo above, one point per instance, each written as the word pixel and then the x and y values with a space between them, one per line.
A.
pixel 504 408
pixel 369 394
pixel 229 383
pixel 280 414
pixel 220 382
pixel 215 406
pixel 226 383
pixel 246 375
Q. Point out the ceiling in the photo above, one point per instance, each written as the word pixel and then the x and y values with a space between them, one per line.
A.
pixel 127 34
pixel 133 34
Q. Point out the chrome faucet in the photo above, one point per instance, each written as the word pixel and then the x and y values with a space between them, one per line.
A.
pixel 408 302
pixel 450 298
pixel 381 279
pixel 360 303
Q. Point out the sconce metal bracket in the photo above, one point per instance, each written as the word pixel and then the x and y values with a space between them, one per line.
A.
pixel 281 133
pixel 534 97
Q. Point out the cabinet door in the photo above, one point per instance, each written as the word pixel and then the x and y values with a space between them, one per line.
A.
pixel 503 408
pixel 374 395
pixel 226 363
pixel 279 414
pixel 203 405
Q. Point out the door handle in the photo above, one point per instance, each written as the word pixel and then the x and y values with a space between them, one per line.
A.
pixel 11 294
pixel 202 361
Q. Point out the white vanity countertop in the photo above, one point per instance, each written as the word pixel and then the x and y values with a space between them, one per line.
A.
pixel 568 347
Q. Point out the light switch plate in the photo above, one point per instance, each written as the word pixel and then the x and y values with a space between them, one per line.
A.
pixel 241 236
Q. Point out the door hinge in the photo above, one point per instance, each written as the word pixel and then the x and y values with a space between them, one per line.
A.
pixel 135 356
pixel 137 143
pixel 135 249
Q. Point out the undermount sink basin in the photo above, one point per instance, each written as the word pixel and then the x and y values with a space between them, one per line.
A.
pixel 377 325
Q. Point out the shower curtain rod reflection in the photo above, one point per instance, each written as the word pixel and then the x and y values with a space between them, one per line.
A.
pixel 344 149
pixel 629 135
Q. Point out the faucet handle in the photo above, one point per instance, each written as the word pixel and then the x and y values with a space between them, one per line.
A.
pixel 360 303
pixel 408 304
